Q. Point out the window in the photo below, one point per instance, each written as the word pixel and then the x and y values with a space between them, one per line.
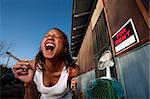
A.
pixel 101 42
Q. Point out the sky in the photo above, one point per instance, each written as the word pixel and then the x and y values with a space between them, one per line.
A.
pixel 23 23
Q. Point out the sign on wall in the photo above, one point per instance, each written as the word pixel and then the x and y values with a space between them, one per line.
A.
pixel 125 36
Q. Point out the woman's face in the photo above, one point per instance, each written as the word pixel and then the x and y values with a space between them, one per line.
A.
pixel 52 44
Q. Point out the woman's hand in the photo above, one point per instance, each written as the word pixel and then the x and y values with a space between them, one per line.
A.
pixel 25 70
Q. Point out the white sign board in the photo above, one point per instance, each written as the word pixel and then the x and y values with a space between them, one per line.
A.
pixel 125 36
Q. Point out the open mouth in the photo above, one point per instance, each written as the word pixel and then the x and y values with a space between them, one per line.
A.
pixel 50 46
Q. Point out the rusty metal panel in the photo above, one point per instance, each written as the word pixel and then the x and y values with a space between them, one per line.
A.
pixel 119 11
pixel 85 56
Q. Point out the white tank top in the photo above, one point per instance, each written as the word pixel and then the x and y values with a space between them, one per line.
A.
pixel 59 91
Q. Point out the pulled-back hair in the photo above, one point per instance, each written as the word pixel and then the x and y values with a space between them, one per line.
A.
pixel 66 55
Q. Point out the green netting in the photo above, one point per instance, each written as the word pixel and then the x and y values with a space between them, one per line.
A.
pixel 104 89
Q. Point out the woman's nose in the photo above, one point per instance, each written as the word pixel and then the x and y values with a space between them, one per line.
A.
pixel 51 37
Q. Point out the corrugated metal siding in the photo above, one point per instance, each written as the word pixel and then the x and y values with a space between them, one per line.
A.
pixel 82 10
pixel 134 73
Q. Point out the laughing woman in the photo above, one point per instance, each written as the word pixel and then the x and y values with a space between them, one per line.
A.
pixel 49 75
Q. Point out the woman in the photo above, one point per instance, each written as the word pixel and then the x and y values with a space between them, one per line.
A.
pixel 48 76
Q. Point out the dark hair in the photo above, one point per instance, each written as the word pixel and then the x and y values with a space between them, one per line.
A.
pixel 66 55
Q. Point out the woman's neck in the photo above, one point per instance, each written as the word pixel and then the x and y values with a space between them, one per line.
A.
pixel 54 65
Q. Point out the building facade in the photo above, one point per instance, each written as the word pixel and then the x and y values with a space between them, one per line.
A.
pixel 120 26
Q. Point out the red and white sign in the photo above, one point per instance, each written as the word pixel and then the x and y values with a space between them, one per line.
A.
pixel 125 36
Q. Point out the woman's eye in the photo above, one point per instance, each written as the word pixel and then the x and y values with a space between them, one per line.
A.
pixel 57 36
pixel 53 36
pixel 46 36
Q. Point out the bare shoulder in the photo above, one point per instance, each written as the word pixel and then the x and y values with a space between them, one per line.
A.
pixel 74 71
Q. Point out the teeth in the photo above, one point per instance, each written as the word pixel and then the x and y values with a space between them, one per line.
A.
pixel 50 44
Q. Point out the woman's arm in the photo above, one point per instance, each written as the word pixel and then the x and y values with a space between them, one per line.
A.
pixel 31 91
pixel 27 77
